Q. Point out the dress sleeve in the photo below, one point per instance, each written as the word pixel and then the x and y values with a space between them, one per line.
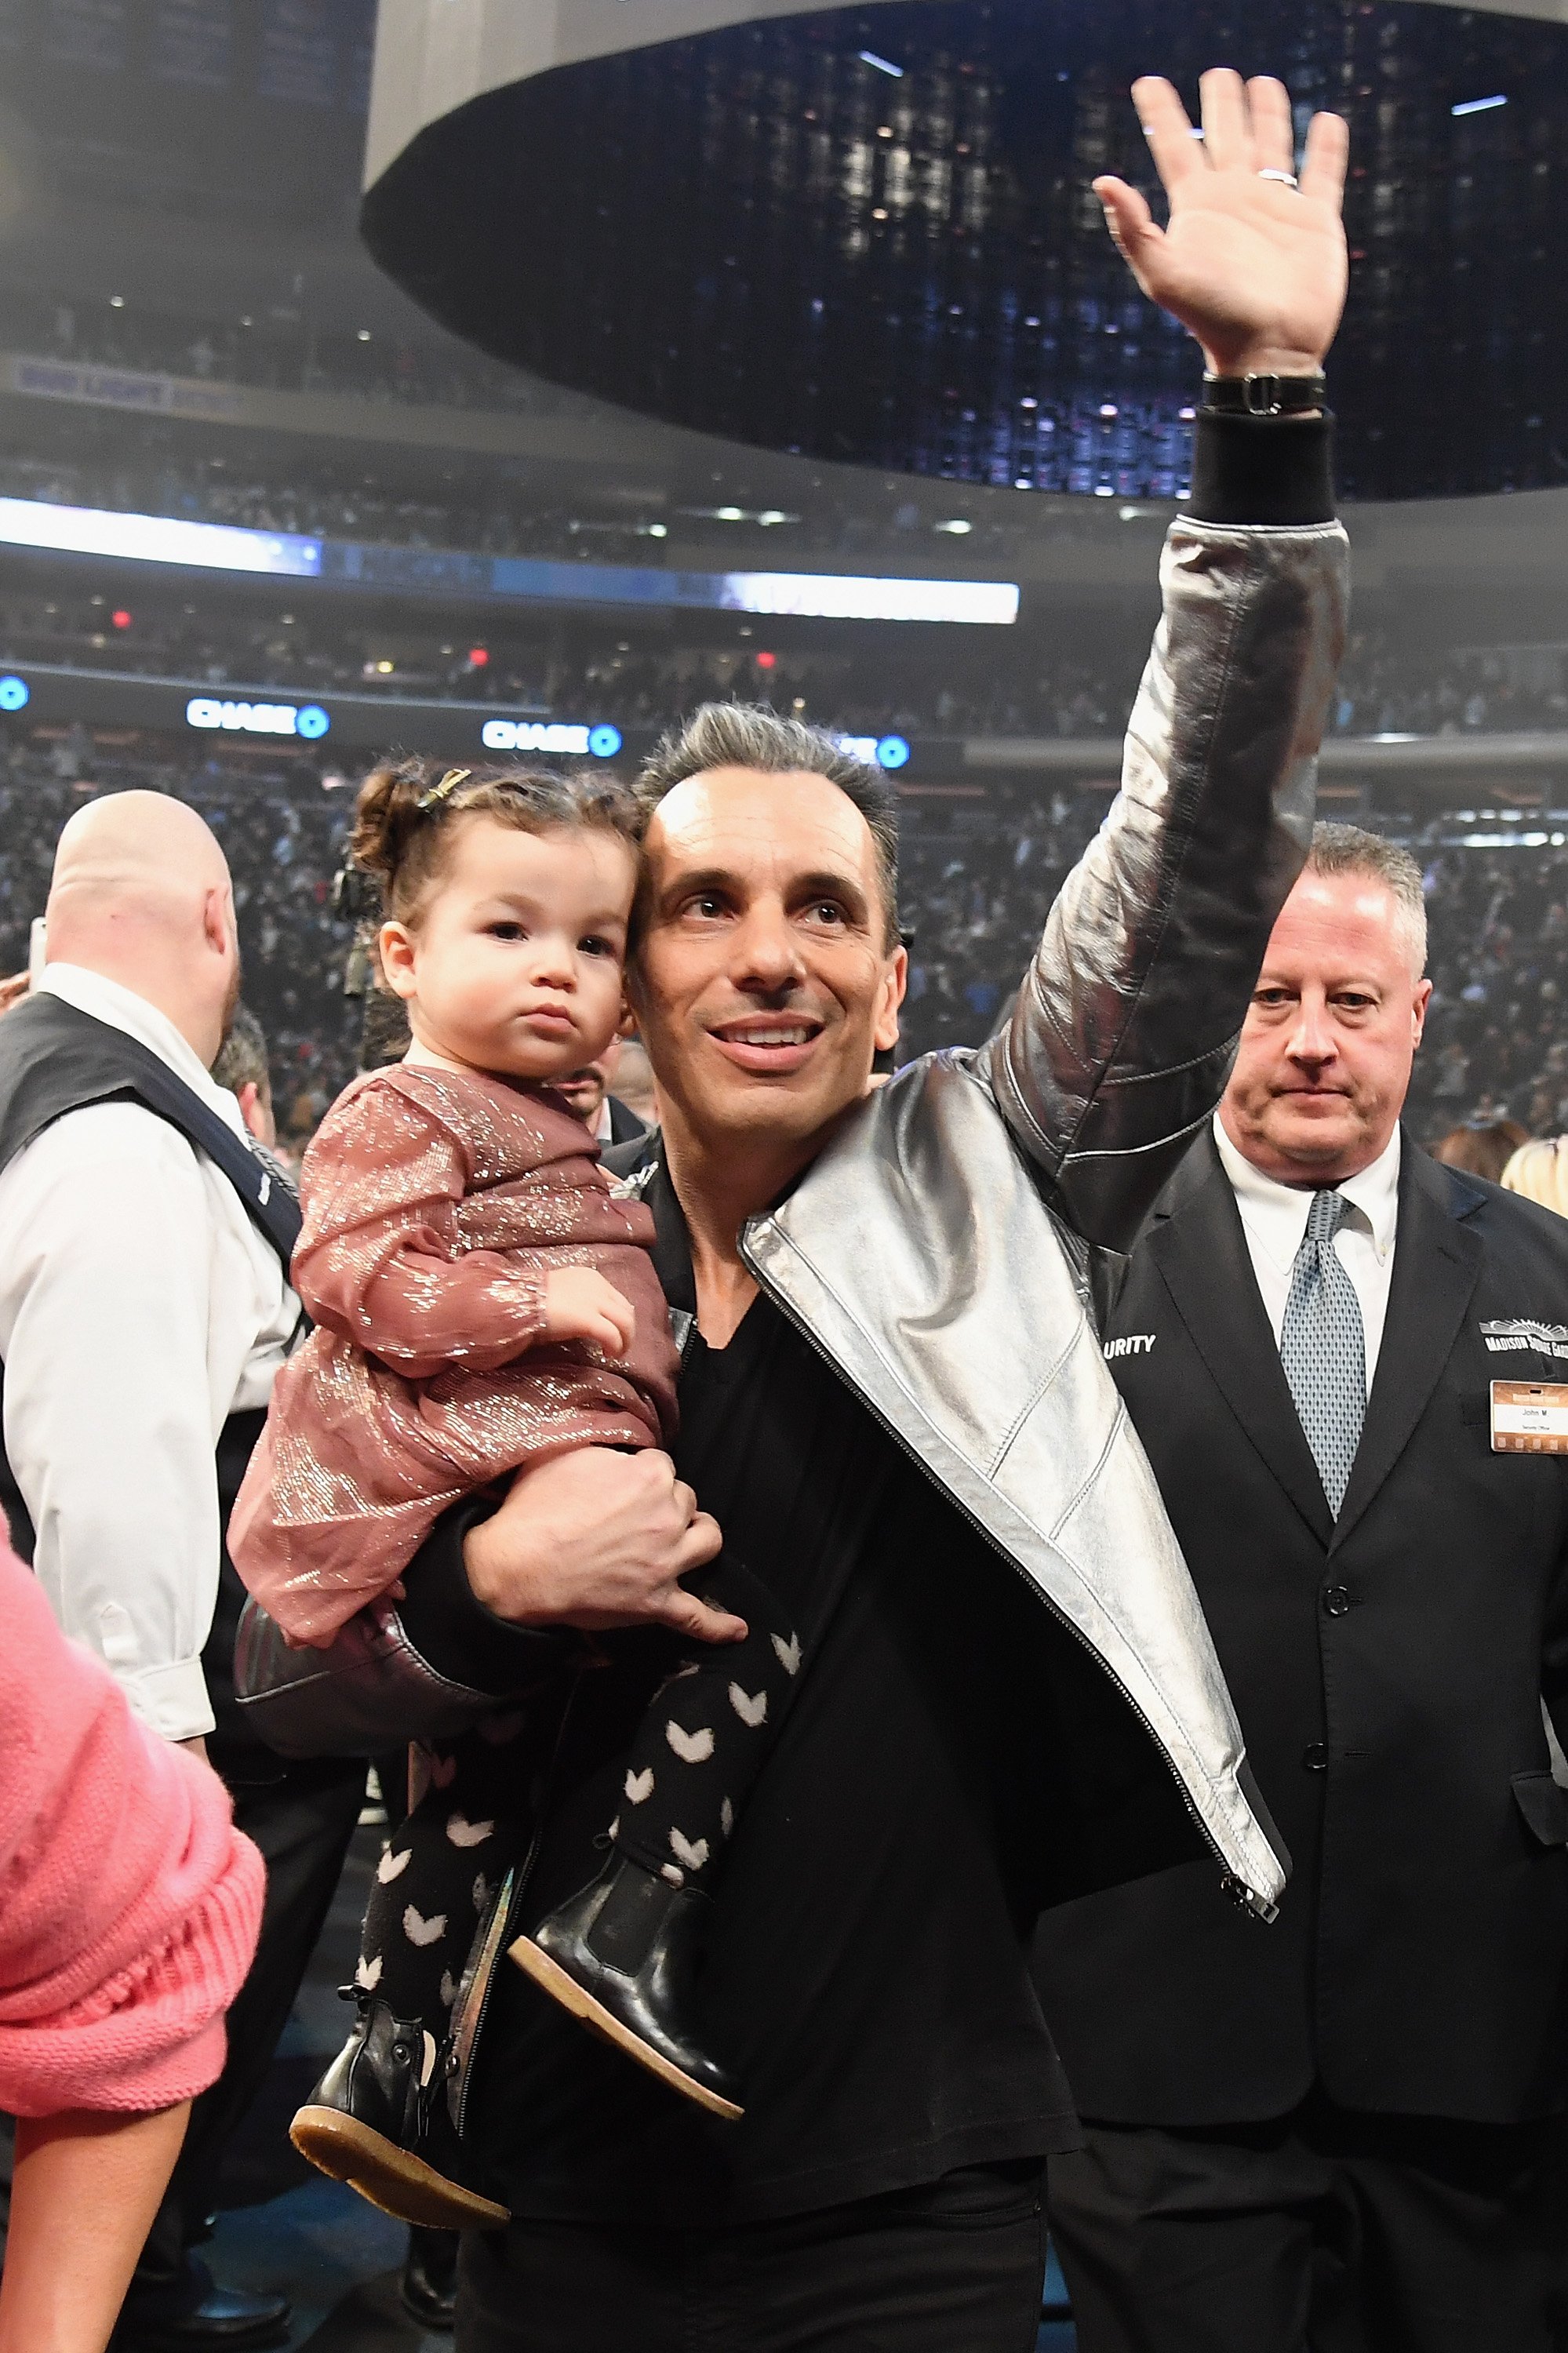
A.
pixel 378 1263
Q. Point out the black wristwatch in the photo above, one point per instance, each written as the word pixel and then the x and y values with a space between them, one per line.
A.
pixel 1262 395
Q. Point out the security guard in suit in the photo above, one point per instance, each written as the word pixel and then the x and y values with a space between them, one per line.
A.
pixel 1350 1368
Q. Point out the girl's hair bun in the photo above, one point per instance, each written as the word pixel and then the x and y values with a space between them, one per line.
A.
pixel 404 818
pixel 385 816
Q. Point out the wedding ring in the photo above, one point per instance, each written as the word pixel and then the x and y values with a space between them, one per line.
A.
pixel 1285 179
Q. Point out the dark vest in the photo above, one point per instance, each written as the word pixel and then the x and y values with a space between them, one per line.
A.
pixel 55 1059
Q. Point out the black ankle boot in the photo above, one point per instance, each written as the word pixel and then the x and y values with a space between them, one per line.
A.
pixel 427 2289
pixel 622 1957
pixel 374 2122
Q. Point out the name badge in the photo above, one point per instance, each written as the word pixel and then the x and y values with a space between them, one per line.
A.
pixel 1530 1418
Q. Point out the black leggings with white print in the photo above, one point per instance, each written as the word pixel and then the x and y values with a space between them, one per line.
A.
pixel 704 1738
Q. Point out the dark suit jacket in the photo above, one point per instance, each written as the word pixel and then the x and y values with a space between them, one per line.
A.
pixel 625 1127
pixel 1388 1671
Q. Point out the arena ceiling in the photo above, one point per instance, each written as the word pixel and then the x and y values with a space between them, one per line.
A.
pixel 867 234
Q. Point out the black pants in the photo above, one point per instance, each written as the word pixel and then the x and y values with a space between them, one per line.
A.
pixel 303 1822
pixel 1326 2229
pixel 955 2268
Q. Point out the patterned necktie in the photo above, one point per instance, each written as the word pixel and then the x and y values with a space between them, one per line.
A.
pixel 1322 1348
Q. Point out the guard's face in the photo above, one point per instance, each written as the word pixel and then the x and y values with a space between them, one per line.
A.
pixel 763 984
pixel 1323 1066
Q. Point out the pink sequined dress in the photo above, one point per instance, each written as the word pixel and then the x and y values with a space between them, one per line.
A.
pixel 434 1203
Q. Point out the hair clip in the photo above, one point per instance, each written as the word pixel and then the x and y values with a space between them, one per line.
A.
pixel 438 793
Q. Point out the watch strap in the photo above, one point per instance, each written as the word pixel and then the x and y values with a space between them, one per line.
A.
pixel 1263 395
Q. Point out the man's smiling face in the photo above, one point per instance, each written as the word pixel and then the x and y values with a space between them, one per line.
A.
pixel 764 982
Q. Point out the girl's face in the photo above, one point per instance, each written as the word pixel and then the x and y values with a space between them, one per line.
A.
pixel 517 961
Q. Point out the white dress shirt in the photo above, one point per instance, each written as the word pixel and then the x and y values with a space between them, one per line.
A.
pixel 1273 1218
pixel 139 1307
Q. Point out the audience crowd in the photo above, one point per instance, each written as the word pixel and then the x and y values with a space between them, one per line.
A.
pixel 1385 687
pixel 283 838
pixel 293 354
pixel 507 505
pixel 975 875
pixel 1069 688
pixel 330 494
pixel 115 459
pixel 566 671
pixel 1496 1048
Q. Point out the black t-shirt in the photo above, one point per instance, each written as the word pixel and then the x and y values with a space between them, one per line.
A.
pixel 867 1969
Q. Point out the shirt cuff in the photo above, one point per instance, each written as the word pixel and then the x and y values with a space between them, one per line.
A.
pixel 1263 469
pixel 454 1632
pixel 172 1700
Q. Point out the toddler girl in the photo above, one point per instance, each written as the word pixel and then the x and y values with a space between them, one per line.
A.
pixel 484 1299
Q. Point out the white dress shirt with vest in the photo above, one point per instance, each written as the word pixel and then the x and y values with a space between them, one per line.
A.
pixel 139 1308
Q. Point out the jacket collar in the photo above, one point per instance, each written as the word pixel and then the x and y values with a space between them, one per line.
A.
pixel 1197 1241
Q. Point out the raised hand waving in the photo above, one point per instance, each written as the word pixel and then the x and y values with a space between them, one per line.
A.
pixel 1252 262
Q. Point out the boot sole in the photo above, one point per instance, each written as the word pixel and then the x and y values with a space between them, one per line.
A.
pixel 393 2179
pixel 537 1964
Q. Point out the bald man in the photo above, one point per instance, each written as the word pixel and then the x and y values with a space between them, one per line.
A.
pixel 139 1303
pixel 144 1309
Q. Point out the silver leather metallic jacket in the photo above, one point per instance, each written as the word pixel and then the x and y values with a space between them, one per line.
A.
pixel 944 1250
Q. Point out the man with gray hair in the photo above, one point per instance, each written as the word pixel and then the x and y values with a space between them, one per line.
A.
pixel 893 1405
pixel 1350 1369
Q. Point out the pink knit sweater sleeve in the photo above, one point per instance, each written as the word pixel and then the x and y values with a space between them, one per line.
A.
pixel 129 1903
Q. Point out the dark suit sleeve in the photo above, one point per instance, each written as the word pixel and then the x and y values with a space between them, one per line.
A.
pixel 625 1127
